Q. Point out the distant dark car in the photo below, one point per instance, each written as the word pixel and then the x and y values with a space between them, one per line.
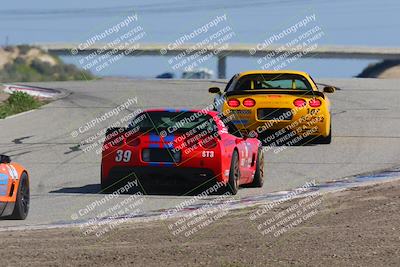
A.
pixel 166 75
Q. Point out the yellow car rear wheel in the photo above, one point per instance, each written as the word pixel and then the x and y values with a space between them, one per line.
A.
pixel 325 140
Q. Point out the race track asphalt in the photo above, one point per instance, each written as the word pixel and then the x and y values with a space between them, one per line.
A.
pixel 65 179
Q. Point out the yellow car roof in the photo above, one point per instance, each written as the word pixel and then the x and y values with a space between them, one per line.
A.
pixel 273 72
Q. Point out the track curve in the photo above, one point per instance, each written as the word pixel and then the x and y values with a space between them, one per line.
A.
pixel 65 179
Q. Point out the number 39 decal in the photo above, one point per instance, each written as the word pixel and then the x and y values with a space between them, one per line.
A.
pixel 124 156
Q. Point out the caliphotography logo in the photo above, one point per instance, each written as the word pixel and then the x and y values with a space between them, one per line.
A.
pixel 199 133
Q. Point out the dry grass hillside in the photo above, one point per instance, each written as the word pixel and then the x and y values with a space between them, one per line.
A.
pixel 25 63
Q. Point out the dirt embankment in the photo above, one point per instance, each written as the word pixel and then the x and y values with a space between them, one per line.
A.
pixel 386 69
pixel 358 227
pixel 24 63
pixel 10 54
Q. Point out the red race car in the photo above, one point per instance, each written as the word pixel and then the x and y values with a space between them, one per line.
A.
pixel 181 148
pixel 14 190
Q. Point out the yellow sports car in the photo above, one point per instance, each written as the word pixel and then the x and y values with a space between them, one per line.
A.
pixel 281 107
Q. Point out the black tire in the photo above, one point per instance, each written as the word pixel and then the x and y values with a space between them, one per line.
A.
pixel 325 140
pixel 234 175
pixel 258 179
pixel 107 188
pixel 21 208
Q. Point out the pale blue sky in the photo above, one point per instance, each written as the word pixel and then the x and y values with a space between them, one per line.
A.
pixel 352 22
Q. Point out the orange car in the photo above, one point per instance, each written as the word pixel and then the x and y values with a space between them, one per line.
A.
pixel 14 190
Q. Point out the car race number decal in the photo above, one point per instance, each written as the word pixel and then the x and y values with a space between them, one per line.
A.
pixel 124 156
pixel 313 111
pixel 207 154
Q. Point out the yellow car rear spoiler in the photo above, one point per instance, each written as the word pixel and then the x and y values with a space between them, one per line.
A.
pixel 276 92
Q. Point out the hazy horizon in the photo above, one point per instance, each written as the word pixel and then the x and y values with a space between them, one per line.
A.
pixel 355 22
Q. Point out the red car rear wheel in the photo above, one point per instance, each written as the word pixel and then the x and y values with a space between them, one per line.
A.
pixel 258 179
pixel 234 175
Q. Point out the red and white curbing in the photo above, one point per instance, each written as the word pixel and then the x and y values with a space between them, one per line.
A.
pixel 32 90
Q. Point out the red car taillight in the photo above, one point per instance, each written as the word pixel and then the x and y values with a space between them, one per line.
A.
pixel 249 102
pixel 233 103
pixel 299 102
pixel 314 103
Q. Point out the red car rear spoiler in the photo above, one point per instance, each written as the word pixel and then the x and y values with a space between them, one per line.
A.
pixel 276 92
